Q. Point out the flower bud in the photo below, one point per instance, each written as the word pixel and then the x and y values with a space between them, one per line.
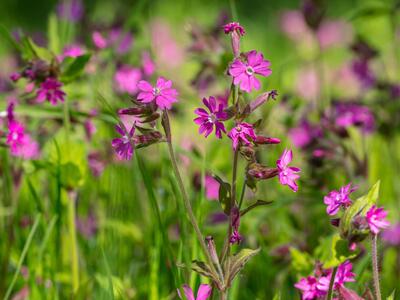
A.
pixel 133 111
pixel 211 249
pixel 263 140
pixel 235 40
pixel 259 171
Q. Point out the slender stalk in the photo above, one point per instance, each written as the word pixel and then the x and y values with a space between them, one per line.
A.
pixel 242 195
pixel 186 201
pixel 331 283
pixel 72 237
pixel 224 295
pixel 375 269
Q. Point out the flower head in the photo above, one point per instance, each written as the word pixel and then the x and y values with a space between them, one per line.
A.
pixel 212 188
pixel 148 64
pixel 234 26
pixel 392 235
pixel 98 40
pixel 202 294
pixel 162 93
pixel 337 199
pixel 287 175
pixel 126 79
pixel 207 120
pixel 376 218
pixel 70 10
pixel 243 72
pixel 351 114
pixel 344 274
pixel 124 146
pixel 15 136
pixel 50 90
pixel 309 288
pixel 241 133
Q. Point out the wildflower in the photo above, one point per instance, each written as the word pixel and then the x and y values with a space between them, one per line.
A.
pixel 98 40
pixel 309 288
pixel 376 218
pixel 212 188
pixel 304 134
pixel 50 90
pixel 234 26
pixel 241 133
pixel 287 175
pixel 121 40
pixel 15 137
pixel 124 146
pixel 162 93
pixel 202 294
pixel 207 121
pixel 70 10
pixel 148 65
pixel 126 79
pixel 363 72
pixel 351 114
pixel 28 149
pixel 337 199
pixel 392 235
pixel 243 72
pixel 344 274
pixel 15 76
pixel 72 51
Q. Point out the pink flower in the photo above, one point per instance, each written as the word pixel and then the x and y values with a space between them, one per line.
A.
pixel 344 274
pixel 98 40
pixel 334 33
pixel 50 90
pixel 124 146
pixel 292 23
pixel 212 188
pixel 207 121
pixel 15 136
pixel 234 26
pixel 287 175
pixel 309 288
pixel 72 51
pixel 241 133
pixel 243 72
pixel 162 93
pixel 126 79
pixel 304 134
pixel 148 65
pixel 202 294
pixel 392 235
pixel 121 40
pixel 337 199
pixel 376 218
pixel 308 84
pixel 29 149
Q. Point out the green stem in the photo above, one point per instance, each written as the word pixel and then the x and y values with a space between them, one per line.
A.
pixel 74 247
pixel 186 201
pixel 242 195
pixel 375 269
pixel 331 283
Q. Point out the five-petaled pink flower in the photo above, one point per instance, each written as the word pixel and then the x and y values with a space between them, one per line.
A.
pixel 124 146
pixel 207 121
pixel 376 218
pixel 337 199
pixel 127 78
pixel 203 293
pixel 241 133
pixel 234 26
pixel 50 90
pixel 309 288
pixel 162 93
pixel 287 175
pixel 243 72
pixel 15 136
pixel 344 274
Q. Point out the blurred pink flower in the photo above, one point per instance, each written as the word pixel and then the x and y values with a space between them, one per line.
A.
pixel 211 119
pixel 234 26
pixel 123 145
pixel 73 51
pixel 344 274
pixel 28 150
pixel 287 175
pixel 308 84
pixel 121 40
pixel 392 235
pixel 309 288
pixel 243 72
pixel 293 25
pixel 334 33
pixel 302 135
pixel 127 78
pixel 98 40
pixel 203 293
pixel 148 65
pixel 337 199
pixel 241 133
pixel 212 188
pixel 163 94
pixel 376 218
pixel 51 91
pixel 15 136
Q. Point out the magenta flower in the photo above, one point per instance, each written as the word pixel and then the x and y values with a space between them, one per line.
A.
pixel 98 40
pixel 243 72
pixel 241 133
pixel 203 293
pixel 15 136
pixel 376 218
pixel 212 188
pixel 207 121
pixel 352 114
pixel 287 175
pixel 126 79
pixel 124 146
pixel 309 288
pixel 162 93
pixel 72 51
pixel 148 64
pixel 50 90
pixel 29 149
pixel 337 199
pixel 70 10
pixel 392 235
pixel 344 274
pixel 234 26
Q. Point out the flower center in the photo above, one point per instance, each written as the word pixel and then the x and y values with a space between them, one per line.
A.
pixel 156 91
pixel 249 71
pixel 212 118
pixel 14 136
pixel 125 139
pixel 238 128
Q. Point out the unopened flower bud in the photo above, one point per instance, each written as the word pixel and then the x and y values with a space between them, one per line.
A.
pixel 133 111
pixel 15 76
pixel 211 249
pixel 335 222
pixel 259 171
pixel 263 140
pixel 235 40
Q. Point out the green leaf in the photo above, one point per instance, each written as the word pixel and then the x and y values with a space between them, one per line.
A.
pixel 333 251
pixel 277 296
pixel 70 175
pixel 301 262
pixel 73 67
pixel 370 9
pixel 359 207
pixel 39 52
pixel 235 263
pixel 6 36
pixel 203 269
pixel 224 194
pixel 53 34
pixel 391 297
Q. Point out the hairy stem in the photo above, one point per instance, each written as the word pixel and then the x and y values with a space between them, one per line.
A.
pixel 375 270
pixel 223 295
pixel 72 237
pixel 186 201
pixel 331 283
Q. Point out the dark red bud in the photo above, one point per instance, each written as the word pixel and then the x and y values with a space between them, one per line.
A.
pixel 263 140
pixel 335 222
